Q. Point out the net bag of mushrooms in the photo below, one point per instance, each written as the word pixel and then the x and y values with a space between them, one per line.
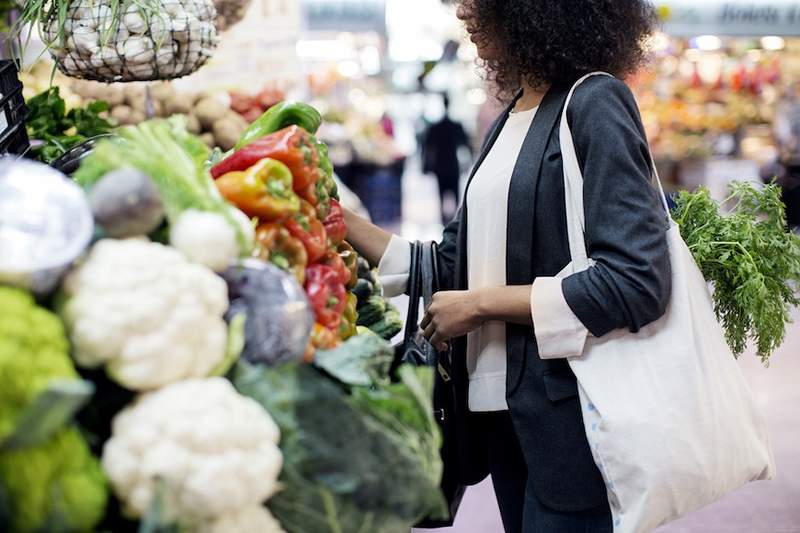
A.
pixel 131 40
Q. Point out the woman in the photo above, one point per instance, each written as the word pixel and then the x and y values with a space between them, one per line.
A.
pixel 509 317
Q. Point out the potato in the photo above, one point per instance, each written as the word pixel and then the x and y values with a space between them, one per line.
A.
pixel 113 96
pixel 134 96
pixel 162 92
pixel 227 132
pixel 193 125
pixel 137 117
pixel 179 104
pixel 208 138
pixel 208 111
pixel 122 114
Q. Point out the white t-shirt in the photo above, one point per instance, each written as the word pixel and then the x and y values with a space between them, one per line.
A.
pixel 555 325
pixel 487 205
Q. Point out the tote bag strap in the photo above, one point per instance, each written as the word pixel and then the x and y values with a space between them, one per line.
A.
pixel 573 186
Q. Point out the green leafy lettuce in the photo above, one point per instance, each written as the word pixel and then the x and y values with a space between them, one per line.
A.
pixel 173 158
pixel 751 258
pixel 360 460
pixel 59 129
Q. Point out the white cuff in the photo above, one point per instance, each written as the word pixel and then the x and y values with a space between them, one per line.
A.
pixel 559 333
pixel 394 267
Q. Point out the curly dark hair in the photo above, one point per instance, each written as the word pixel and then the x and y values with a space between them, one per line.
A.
pixel 546 42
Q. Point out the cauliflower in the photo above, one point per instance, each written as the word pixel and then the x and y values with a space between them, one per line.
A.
pixel 63 466
pixel 251 519
pixel 214 450
pixel 208 238
pixel 33 353
pixel 146 313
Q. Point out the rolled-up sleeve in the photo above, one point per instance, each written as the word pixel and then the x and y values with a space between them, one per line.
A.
pixel 559 332
pixel 394 267
pixel 629 284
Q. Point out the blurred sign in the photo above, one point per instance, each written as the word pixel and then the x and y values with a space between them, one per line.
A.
pixel 687 18
pixel 345 15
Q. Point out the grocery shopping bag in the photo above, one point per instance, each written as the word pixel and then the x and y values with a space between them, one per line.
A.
pixel 670 420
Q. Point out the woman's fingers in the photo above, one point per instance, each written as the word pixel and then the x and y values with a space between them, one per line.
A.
pixel 429 331
pixel 439 342
pixel 426 320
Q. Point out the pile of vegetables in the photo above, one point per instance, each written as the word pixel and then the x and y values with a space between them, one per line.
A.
pixel 207 116
pixel 123 40
pixel 48 476
pixel 280 176
pixel 60 130
pixel 744 248
pixel 200 367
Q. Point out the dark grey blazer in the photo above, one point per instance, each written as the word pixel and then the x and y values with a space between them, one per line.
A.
pixel 629 286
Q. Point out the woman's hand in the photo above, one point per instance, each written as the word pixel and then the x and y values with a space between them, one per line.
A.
pixel 451 314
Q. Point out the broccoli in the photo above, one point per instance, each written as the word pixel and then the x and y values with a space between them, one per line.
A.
pixel 56 483
pixel 33 351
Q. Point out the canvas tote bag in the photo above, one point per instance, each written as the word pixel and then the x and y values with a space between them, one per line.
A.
pixel 668 415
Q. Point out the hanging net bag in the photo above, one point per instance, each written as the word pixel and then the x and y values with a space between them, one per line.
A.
pixel 230 12
pixel 127 40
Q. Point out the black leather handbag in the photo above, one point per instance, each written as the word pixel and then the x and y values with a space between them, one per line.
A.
pixel 423 282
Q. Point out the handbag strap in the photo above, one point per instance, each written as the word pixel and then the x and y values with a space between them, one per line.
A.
pixel 414 291
pixel 573 187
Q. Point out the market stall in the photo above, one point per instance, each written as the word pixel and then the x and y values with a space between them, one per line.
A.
pixel 712 101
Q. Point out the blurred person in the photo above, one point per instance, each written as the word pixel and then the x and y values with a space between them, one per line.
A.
pixel 785 169
pixel 440 156
pixel 508 310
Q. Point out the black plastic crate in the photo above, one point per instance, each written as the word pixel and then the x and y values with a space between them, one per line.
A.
pixel 13 112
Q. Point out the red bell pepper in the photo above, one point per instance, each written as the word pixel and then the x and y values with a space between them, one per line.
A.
pixel 334 224
pixel 336 262
pixel 327 295
pixel 293 146
pixel 306 227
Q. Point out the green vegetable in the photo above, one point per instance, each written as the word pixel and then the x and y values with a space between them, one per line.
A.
pixel 174 160
pixel 390 324
pixel 33 353
pixel 280 116
pixel 361 360
pixel 60 130
pixel 371 311
pixel 367 461
pixel 752 259
pixel 51 480
pixel 54 486
pixel 362 290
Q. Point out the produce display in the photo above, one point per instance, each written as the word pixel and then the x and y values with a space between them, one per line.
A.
pixel 60 129
pixel 686 113
pixel 750 257
pixel 206 115
pixel 124 40
pixel 198 364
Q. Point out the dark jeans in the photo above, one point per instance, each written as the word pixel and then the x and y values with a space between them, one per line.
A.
pixel 520 508
pixel 448 183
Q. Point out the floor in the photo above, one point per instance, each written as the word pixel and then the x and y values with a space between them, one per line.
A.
pixel 764 507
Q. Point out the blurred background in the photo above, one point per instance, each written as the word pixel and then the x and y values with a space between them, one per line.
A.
pixel 399 88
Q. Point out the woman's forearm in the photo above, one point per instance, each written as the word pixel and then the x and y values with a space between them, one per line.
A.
pixel 369 240
pixel 505 304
